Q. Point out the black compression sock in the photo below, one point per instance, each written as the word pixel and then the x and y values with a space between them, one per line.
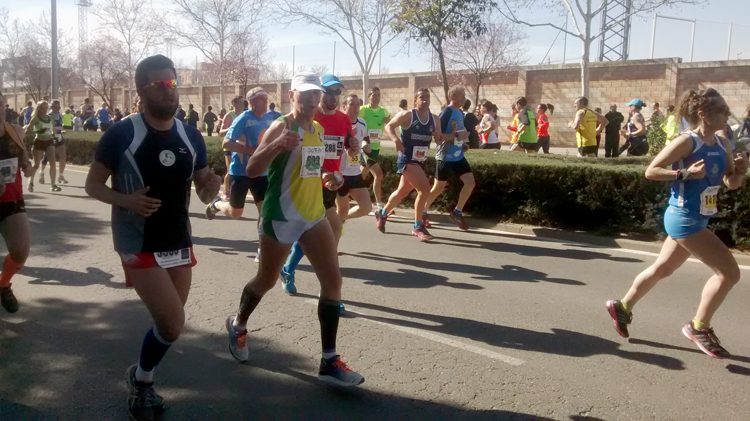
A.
pixel 328 314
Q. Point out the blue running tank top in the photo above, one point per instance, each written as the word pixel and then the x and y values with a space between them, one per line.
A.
pixel 699 196
pixel 416 138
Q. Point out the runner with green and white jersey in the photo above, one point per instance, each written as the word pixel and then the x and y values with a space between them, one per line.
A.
pixel 292 151
pixel 376 118
pixel 42 127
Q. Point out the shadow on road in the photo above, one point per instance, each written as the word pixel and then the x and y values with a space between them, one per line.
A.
pixel 559 342
pixel 404 278
pixel 502 273
pixel 636 341
pixel 53 231
pixel 226 246
pixel 66 277
pixel 67 360
pixel 532 251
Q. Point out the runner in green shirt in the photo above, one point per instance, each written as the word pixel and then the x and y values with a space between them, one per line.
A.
pixel 376 118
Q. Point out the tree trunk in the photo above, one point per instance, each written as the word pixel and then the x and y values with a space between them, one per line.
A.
pixel 476 96
pixel 443 72
pixel 586 51
pixel 365 82
pixel 585 69
pixel 221 88
pixel 129 103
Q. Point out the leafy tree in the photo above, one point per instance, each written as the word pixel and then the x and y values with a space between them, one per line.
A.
pixel 438 21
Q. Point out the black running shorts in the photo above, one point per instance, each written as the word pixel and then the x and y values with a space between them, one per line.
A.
pixel 239 185
pixel 351 182
pixel 446 168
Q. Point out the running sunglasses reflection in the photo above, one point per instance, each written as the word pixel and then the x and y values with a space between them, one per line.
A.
pixel 163 84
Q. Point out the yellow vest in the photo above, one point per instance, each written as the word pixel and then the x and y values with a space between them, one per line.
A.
pixel 586 133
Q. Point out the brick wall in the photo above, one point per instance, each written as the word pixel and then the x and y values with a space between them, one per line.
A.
pixel 662 80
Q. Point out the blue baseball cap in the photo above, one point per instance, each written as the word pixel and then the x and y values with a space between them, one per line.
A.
pixel 637 102
pixel 330 80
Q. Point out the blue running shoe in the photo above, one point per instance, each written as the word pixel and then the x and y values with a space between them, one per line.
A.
pixel 380 221
pixel 237 341
pixel 336 372
pixel 287 282
pixel 211 209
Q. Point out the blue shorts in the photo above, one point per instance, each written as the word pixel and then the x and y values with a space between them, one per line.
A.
pixel 680 223
pixel 402 161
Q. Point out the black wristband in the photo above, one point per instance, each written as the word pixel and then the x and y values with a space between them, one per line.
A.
pixel 684 175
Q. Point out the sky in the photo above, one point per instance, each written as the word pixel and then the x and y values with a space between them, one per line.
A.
pixel 672 38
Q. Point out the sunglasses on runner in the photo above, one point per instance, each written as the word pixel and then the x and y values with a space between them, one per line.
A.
pixel 162 84
pixel 335 92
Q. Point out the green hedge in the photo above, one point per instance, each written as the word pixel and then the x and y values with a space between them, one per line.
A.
pixel 602 196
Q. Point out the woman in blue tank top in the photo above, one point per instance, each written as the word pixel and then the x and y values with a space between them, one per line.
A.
pixel 697 162
pixel 418 128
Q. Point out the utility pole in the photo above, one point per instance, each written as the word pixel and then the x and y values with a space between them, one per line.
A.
pixel 54 62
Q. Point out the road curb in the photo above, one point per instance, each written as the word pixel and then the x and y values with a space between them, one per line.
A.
pixel 559 234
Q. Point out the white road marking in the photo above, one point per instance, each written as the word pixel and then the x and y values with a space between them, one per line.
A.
pixel 436 338
pixel 78 171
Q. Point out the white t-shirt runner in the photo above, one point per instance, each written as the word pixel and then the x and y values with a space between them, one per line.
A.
pixel 350 166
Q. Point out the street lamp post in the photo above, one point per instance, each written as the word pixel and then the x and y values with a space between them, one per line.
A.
pixel 54 64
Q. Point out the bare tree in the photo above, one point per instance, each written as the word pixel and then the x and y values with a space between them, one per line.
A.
pixel 41 31
pixel 11 40
pixel 278 71
pixel 34 69
pixel 131 23
pixel 216 28
pixel 247 63
pixel 318 69
pixel 498 49
pixel 106 68
pixel 583 14
pixel 363 25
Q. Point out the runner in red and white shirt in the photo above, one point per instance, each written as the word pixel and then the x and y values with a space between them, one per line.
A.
pixel 14 224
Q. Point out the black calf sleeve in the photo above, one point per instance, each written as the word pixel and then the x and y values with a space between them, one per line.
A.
pixel 328 315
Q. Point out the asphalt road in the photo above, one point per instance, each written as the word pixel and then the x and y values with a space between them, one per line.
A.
pixel 476 325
